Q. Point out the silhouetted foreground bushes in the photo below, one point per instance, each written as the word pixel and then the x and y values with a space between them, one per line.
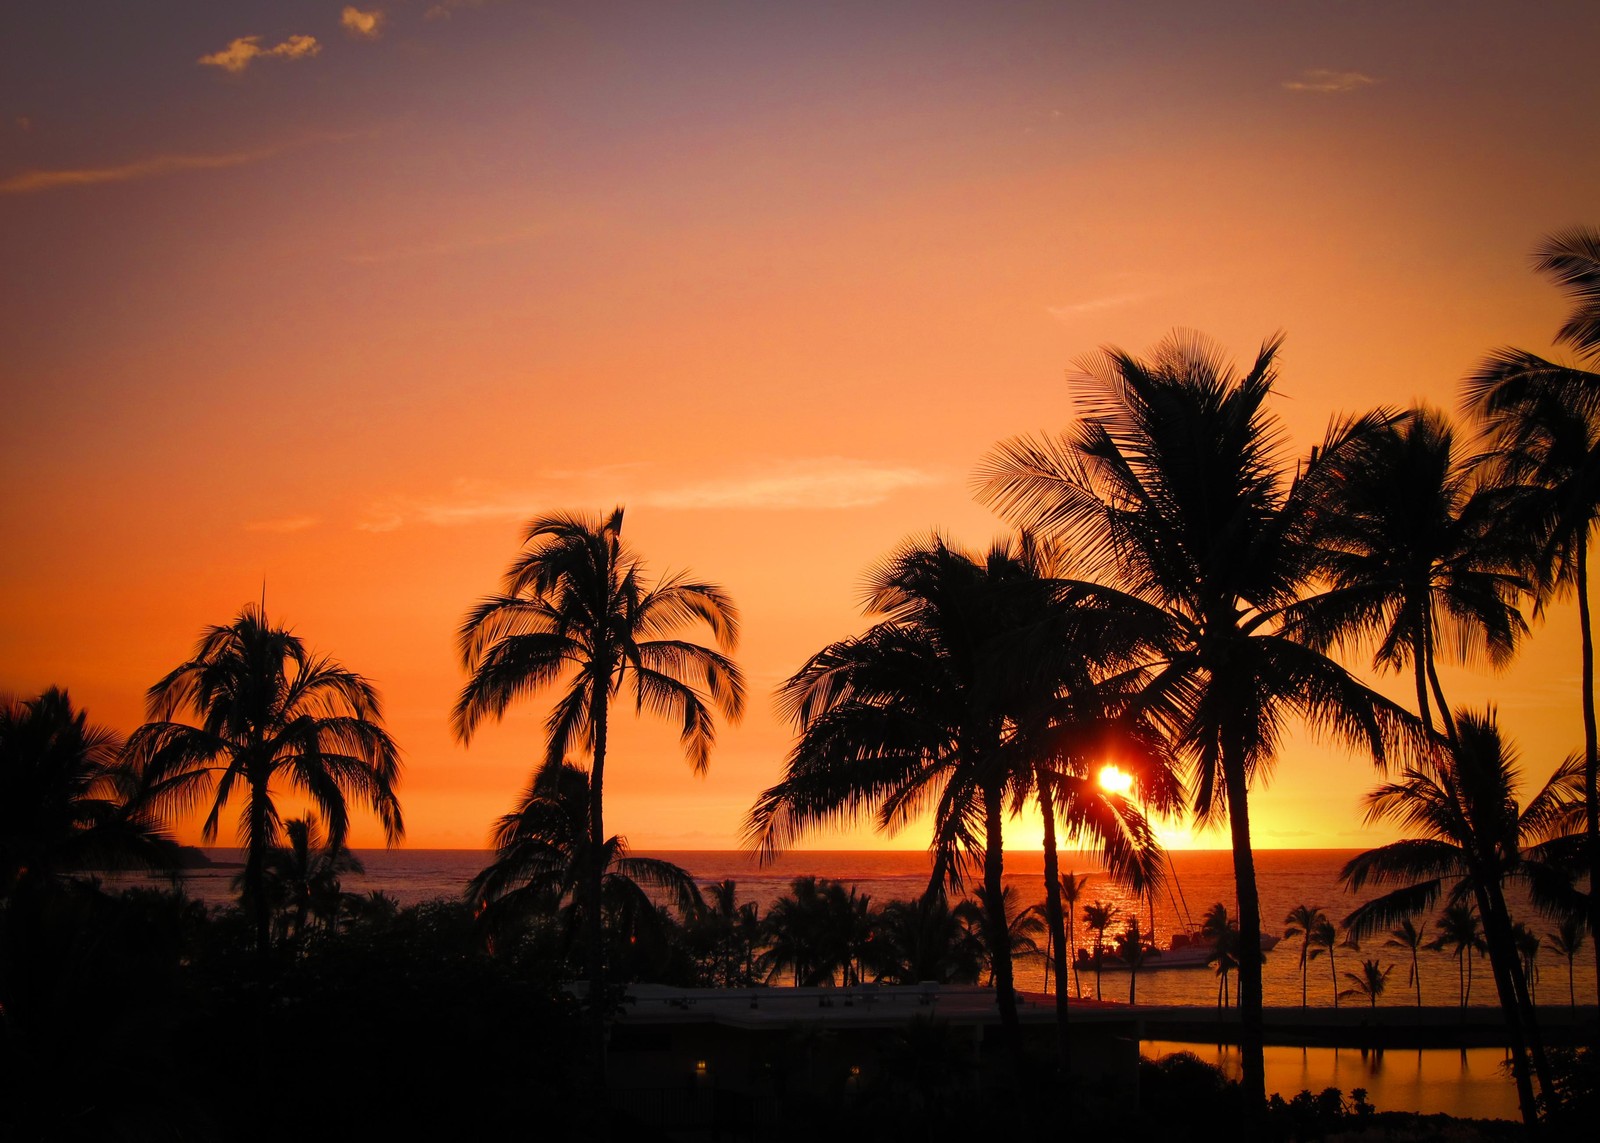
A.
pixel 123 1026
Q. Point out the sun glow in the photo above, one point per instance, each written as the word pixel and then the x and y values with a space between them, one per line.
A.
pixel 1114 781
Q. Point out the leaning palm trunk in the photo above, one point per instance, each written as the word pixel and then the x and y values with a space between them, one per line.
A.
pixel 1591 754
pixel 999 931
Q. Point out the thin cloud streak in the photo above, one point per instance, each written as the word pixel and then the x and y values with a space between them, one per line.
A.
pixel 242 52
pixel 1325 81
pixel 29 182
pixel 810 484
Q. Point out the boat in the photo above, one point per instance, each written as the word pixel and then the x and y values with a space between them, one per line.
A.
pixel 1184 950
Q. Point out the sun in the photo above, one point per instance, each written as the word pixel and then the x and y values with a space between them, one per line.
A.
pixel 1114 781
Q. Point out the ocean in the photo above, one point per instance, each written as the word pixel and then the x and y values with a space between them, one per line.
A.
pixel 1286 878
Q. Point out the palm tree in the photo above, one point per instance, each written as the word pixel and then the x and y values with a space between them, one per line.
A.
pixel 1369 982
pixel 268 713
pixel 1567 942
pixel 1071 890
pixel 1221 932
pixel 575 608
pixel 1526 943
pixel 1461 931
pixel 920 713
pixel 1572 258
pixel 303 877
pixel 1173 493
pixel 928 939
pixel 67 801
pixel 820 930
pixel 1406 935
pixel 1324 938
pixel 543 862
pixel 1462 803
pixel 1302 922
pixel 1542 422
pixel 1416 558
pixel 1133 952
pixel 1099 916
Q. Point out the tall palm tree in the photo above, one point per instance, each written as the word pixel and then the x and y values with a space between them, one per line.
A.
pixel 1567 942
pixel 1461 931
pixel 575 609
pixel 1462 802
pixel 1542 423
pixel 1302 922
pixel 268 714
pixel 1409 937
pixel 1099 916
pixel 1369 982
pixel 920 713
pixel 67 800
pixel 1417 559
pixel 1174 494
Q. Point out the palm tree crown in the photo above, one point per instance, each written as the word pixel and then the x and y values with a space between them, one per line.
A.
pixel 267 713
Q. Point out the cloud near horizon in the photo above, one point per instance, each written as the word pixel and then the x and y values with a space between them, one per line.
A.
pixel 243 51
pixel 363 25
pixel 1326 81
pixel 805 484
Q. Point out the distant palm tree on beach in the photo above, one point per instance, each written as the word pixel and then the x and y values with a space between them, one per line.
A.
pixel 1302 922
pixel 1566 942
pixel 268 713
pixel 1324 938
pixel 1099 916
pixel 1462 933
pixel 1369 982
pixel 1411 938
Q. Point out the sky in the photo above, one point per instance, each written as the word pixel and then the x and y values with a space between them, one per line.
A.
pixel 324 301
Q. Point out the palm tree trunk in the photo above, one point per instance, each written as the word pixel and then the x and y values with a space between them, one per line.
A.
pixel 1591 752
pixel 1056 925
pixel 1251 1056
pixel 255 867
pixel 1416 974
pixel 1499 942
pixel 593 876
pixel 999 932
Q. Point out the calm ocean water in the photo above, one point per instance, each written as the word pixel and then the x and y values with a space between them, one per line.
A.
pixel 1286 878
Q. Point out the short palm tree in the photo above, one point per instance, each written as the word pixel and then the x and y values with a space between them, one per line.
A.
pixel 1325 939
pixel 929 939
pixel 1526 943
pixel 303 877
pixel 1302 922
pixel 1174 493
pixel 1133 952
pixel 1471 837
pixel 1369 982
pixel 67 801
pixel 576 609
pixel 1566 942
pixel 1412 939
pixel 1071 890
pixel 1099 916
pixel 542 864
pixel 1461 931
pixel 268 714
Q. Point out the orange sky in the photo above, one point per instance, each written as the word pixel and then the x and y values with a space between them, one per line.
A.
pixel 339 314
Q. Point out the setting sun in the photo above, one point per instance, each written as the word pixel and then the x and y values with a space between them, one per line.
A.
pixel 1114 781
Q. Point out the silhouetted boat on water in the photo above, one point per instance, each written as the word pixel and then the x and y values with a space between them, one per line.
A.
pixel 1185 950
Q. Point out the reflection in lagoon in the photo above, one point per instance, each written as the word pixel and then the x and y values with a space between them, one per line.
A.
pixel 1465 1082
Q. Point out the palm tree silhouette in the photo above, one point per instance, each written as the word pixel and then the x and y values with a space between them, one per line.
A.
pixel 1221 932
pixel 1133 952
pixel 67 800
pixel 1462 802
pixel 1071 890
pixel 1302 922
pixel 920 713
pixel 1099 916
pixel 575 607
pixel 1417 559
pixel 1408 936
pixel 302 878
pixel 1369 982
pixel 1174 494
pixel 542 866
pixel 928 939
pixel 1461 931
pixel 1567 942
pixel 1542 420
pixel 1526 943
pixel 1324 939
pixel 268 712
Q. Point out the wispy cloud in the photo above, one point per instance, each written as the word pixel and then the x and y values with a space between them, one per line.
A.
pixel 29 181
pixel 363 25
pixel 283 524
pixel 1324 81
pixel 244 51
pixel 1094 305
pixel 814 483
